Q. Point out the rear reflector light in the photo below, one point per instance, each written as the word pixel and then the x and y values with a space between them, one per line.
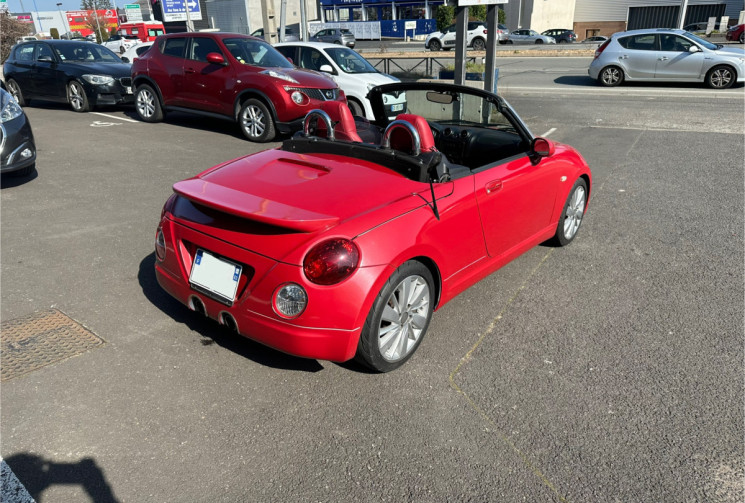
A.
pixel 160 245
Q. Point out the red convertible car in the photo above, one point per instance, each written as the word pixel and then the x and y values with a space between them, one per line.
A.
pixel 342 241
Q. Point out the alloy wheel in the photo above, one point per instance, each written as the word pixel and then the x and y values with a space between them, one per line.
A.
pixel 145 103
pixel 574 213
pixel 253 121
pixel 404 318
pixel 720 78
pixel 611 76
pixel 77 96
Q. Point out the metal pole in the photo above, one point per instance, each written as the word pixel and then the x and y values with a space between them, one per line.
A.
pixel 189 25
pixel 490 82
pixel 282 14
pixel 461 27
pixel 64 25
pixel 683 9
pixel 41 28
pixel 304 21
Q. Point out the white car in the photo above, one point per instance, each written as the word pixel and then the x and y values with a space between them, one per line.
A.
pixel 134 52
pixel 120 43
pixel 475 37
pixel 352 73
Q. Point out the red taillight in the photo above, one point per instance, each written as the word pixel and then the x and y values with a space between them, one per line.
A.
pixel 332 261
pixel 601 48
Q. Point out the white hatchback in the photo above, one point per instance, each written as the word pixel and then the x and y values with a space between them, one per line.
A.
pixel 353 74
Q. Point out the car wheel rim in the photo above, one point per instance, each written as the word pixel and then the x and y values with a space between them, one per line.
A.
pixel 575 210
pixel 76 96
pixel 253 121
pixel 145 104
pixel 720 78
pixel 14 91
pixel 610 76
pixel 404 318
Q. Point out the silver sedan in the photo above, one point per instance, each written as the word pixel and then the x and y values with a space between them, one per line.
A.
pixel 529 37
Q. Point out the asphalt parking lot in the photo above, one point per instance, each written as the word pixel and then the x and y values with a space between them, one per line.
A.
pixel 609 370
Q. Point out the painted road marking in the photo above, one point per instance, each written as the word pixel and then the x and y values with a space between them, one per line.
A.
pixel 115 117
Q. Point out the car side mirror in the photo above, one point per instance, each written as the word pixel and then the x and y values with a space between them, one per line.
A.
pixel 543 147
pixel 290 60
pixel 215 59
pixel 125 59
pixel 45 59
pixel 326 69
pixel 694 48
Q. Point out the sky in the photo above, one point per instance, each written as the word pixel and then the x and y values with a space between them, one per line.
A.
pixel 50 5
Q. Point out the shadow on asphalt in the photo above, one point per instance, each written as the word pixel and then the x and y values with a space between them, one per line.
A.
pixel 586 81
pixel 214 333
pixel 9 180
pixel 576 80
pixel 38 474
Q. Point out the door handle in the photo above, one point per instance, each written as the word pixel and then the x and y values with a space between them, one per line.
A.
pixel 663 58
pixel 190 70
pixel 493 186
pixel 624 57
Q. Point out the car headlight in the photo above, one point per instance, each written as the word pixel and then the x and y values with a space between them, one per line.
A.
pixel 278 75
pixel 10 111
pixel 98 80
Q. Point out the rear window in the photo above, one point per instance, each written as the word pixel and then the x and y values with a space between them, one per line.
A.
pixel 644 42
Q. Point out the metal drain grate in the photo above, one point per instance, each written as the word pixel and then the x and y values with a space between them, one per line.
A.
pixel 40 339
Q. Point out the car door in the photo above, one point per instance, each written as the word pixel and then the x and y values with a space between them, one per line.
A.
pixel 312 59
pixel 49 78
pixel 23 68
pixel 204 82
pixel 170 74
pixel 639 55
pixel 448 38
pixel 519 36
pixel 675 62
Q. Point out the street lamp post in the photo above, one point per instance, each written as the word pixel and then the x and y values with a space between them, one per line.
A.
pixel 64 25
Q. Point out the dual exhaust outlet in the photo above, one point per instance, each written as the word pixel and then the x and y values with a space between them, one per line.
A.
pixel 225 319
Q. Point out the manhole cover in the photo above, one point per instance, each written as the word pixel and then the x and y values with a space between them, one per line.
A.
pixel 40 339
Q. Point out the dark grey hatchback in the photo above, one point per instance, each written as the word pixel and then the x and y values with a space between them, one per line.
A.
pixel 82 74
pixel 17 148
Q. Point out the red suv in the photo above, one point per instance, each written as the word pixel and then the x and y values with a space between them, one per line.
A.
pixel 231 76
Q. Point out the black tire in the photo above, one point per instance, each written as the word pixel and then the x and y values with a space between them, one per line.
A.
pixel 510 42
pixel 721 77
pixel 337 42
pixel 256 121
pixel 562 41
pixel 539 41
pixel 77 98
pixel 411 316
pixel 15 90
pixel 572 213
pixel 742 37
pixel 435 45
pixel 356 109
pixel 24 171
pixel 610 76
pixel 147 104
pixel 478 44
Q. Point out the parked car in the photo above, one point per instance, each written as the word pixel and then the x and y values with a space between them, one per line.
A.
pixel 696 28
pixel 353 73
pixel 17 147
pixel 233 76
pixel 83 74
pixel 666 55
pixel 736 33
pixel 121 43
pixel 131 54
pixel 475 37
pixel 329 247
pixel 529 37
pixel 340 36
pixel 562 36
pixel 598 39
pixel 290 35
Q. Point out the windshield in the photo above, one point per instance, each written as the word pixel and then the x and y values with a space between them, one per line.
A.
pixel 699 41
pixel 86 52
pixel 350 61
pixel 453 108
pixel 256 52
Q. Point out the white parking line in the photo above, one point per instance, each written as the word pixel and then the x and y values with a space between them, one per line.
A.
pixel 549 132
pixel 115 117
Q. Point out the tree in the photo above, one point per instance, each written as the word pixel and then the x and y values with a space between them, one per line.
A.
pixel 11 30
pixel 444 16
pixel 93 21
pixel 477 13
pixel 54 32
pixel 95 5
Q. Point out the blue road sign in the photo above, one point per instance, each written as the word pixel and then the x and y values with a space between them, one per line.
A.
pixel 175 10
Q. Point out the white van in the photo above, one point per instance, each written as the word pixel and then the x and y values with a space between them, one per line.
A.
pixel 352 73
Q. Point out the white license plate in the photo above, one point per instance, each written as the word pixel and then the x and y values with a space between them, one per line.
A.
pixel 397 108
pixel 128 90
pixel 215 276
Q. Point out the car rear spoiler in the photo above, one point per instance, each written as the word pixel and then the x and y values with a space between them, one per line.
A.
pixel 252 207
